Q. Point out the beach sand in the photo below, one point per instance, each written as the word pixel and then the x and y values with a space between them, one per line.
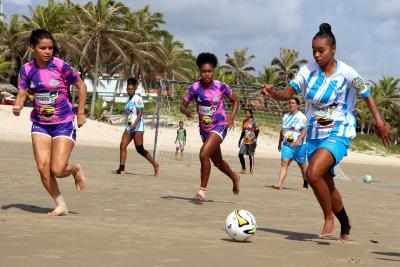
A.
pixel 141 220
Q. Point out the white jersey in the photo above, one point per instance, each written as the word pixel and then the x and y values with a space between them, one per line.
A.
pixel 131 109
pixel 329 101
pixel 292 125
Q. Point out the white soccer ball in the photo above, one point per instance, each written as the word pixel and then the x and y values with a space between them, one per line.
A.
pixel 240 225
pixel 368 179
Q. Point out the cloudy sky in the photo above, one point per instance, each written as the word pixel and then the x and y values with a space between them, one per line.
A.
pixel 367 31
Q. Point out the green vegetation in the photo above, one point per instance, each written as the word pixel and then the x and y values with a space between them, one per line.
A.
pixel 371 143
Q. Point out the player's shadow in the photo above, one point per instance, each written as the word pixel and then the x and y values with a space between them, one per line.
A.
pixel 30 208
pixel 234 241
pixel 396 255
pixel 132 174
pixel 296 235
pixel 188 199
pixel 283 188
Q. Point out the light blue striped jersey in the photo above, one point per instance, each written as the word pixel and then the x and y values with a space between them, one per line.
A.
pixel 329 101
pixel 131 109
pixel 292 124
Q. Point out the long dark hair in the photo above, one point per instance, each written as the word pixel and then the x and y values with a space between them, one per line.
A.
pixel 40 34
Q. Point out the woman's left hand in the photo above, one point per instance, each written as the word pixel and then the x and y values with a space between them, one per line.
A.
pixel 384 134
pixel 230 123
pixel 81 119
pixel 297 143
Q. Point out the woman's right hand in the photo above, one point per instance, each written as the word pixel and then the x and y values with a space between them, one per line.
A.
pixel 189 114
pixel 279 147
pixel 267 90
pixel 384 134
pixel 16 110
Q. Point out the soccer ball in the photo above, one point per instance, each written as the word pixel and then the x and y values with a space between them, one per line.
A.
pixel 240 225
pixel 368 179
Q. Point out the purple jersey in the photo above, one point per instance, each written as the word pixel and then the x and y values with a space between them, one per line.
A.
pixel 209 103
pixel 50 87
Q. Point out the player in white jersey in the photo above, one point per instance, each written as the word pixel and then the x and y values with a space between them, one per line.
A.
pixel 330 89
pixel 134 128
pixel 292 142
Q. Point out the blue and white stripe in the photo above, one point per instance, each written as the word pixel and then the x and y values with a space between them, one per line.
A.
pixel 329 101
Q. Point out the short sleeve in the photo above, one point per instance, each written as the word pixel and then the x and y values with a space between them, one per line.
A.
pixel 138 102
pixel 357 82
pixel 190 95
pixel 226 90
pixel 22 80
pixel 302 122
pixel 299 81
pixel 70 76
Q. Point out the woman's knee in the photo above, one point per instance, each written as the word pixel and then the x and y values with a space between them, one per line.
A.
pixel 204 156
pixel 313 174
pixel 43 168
pixel 58 170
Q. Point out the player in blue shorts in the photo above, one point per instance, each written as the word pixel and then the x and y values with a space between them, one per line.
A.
pixel 292 142
pixel 330 89
pixel 134 128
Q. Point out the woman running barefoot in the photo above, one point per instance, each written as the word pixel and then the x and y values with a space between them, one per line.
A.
pixel 330 89
pixel 249 136
pixel 53 130
pixel 292 135
pixel 214 123
pixel 134 128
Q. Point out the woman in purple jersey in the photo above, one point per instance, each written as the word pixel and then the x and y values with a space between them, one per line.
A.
pixel 53 130
pixel 209 97
pixel 326 85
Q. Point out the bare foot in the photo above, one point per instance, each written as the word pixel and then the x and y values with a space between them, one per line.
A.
pixel 277 186
pixel 236 187
pixel 201 194
pixel 156 169
pixel 329 227
pixel 79 177
pixel 345 237
pixel 304 188
pixel 243 172
pixel 58 211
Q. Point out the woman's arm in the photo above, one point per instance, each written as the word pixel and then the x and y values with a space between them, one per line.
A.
pixel 271 92
pixel 299 140
pixel 235 103
pixel 139 112
pixel 82 93
pixel 280 140
pixel 184 110
pixel 19 102
pixel 382 130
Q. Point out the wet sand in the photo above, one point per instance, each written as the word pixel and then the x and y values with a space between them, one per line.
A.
pixel 141 220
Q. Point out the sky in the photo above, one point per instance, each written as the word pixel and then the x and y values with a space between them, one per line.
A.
pixel 367 31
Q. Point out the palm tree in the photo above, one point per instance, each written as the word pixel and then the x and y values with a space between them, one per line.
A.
pixel 287 64
pixel 268 76
pixel 238 65
pixel 100 29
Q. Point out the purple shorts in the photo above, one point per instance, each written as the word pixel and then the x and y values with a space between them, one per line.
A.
pixel 221 130
pixel 53 131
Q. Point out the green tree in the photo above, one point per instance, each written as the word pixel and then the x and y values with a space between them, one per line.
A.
pixel 287 65
pixel 238 65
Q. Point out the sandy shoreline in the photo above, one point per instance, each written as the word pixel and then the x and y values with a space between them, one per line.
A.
pixel 95 133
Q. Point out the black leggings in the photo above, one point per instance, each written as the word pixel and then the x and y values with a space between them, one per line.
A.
pixel 243 162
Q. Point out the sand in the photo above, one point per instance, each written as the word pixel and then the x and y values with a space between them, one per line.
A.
pixel 142 220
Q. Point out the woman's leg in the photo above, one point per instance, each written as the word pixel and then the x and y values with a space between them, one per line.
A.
pixel 224 167
pixel 125 140
pixel 338 208
pixel 138 139
pixel 60 151
pixel 303 168
pixel 251 158
pixel 282 173
pixel 42 151
pixel 242 162
pixel 318 167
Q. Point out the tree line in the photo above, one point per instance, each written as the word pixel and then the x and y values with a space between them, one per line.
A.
pixel 104 38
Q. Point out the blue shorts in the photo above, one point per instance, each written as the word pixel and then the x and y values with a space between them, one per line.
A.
pixel 335 144
pixel 296 153
pixel 53 131
pixel 221 130
pixel 139 128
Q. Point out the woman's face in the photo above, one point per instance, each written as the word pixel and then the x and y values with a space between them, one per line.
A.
pixel 247 114
pixel 207 73
pixel 293 106
pixel 43 50
pixel 323 52
pixel 130 89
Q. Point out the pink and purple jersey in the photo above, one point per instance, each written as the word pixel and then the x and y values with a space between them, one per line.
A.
pixel 50 87
pixel 209 103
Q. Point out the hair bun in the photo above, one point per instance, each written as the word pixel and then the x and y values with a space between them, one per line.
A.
pixel 325 28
